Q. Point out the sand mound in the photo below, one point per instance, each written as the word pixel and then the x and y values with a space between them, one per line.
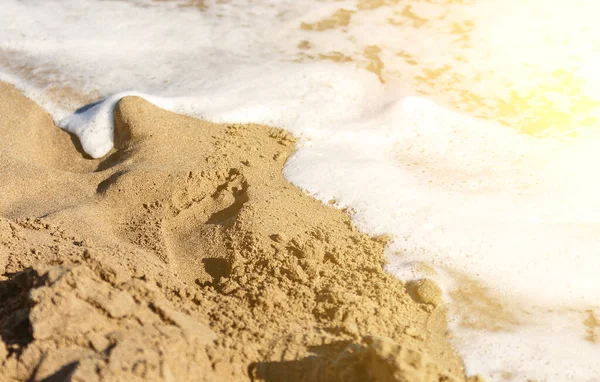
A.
pixel 185 255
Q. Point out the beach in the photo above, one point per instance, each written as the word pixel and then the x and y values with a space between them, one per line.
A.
pixel 299 190
pixel 107 279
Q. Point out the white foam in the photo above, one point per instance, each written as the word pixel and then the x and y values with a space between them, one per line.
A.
pixel 516 213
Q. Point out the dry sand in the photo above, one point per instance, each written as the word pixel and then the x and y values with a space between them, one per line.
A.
pixel 185 255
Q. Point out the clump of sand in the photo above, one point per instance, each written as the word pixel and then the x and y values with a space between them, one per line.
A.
pixel 184 255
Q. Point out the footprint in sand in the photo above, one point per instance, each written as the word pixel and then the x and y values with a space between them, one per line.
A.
pixel 195 235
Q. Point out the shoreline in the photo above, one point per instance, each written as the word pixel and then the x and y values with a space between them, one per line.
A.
pixel 183 252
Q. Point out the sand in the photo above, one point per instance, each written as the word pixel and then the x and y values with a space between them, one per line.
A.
pixel 184 255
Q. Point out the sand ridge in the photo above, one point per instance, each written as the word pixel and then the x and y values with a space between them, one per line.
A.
pixel 185 255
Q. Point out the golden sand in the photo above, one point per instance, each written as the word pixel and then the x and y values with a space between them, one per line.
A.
pixel 184 255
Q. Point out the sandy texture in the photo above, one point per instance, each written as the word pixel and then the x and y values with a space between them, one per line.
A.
pixel 184 255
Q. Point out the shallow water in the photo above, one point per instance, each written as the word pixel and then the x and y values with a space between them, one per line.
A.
pixel 465 129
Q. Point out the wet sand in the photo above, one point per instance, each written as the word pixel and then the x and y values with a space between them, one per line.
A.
pixel 185 255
